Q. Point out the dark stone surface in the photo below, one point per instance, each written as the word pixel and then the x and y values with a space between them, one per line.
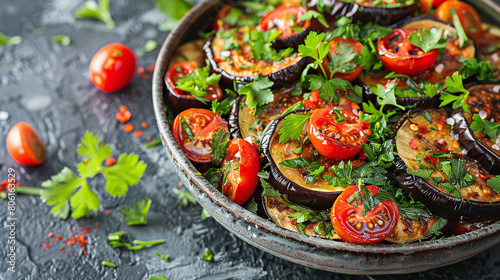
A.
pixel 47 85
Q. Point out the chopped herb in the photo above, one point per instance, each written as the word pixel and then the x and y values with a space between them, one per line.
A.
pixel 309 15
pixel 67 189
pixel 261 45
pixel 492 48
pixel 293 126
pixel 297 106
pixel 297 163
pixel 108 264
pixel 451 189
pixel 186 129
pixel 340 118
pixel 328 88
pixel 315 170
pixel 62 40
pixel 158 277
pixel 428 40
pixel 462 36
pixel 205 214
pixel 315 48
pixel 116 240
pixel 459 176
pixel 223 107
pixel 455 85
pixel 207 255
pixel 176 9
pixel 185 197
pixel 149 46
pixel 258 93
pixel 152 144
pixel 342 173
pixel 163 257
pixel 494 183
pixel 481 70
pixel 428 117
pixel 386 95
pixel 220 142
pixel 6 40
pixel 196 83
pixel 90 9
pixel 437 226
pixel 488 127
pixel 251 206
pixel 213 177
pixel 137 213
pixel 422 172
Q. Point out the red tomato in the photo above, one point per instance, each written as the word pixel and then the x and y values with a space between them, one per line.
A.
pixel 426 5
pixel 25 145
pixel 354 227
pixel 219 22
pixel 284 19
pixel 356 48
pixel 337 140
pixel 203 124
pixel 469 18
pixel 242 178
pixel 399 55
pixel 179 70
pixel 112 67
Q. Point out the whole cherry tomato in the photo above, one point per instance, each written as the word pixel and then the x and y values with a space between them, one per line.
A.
pixel 285 19
pixel 372 227
pixel 25 145
pixel 179 70
pixel 112 67
pixel 469 18
pixel 338 45
pixel 193 130
pixel 242 178
pixel 399 55
pixel 337 137
pixel 426 5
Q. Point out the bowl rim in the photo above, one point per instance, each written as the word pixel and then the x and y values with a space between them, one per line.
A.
pixel 223 210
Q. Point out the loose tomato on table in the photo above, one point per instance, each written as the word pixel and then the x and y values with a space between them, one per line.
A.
pixel 112 67
pixel 335 137
pixel 193 130
pixel 372 227
pixel 399 55
pixel 340 45
pixel 183 68
pixel 469 18
pixel 25 145
pixel 242 178
pixel 285 19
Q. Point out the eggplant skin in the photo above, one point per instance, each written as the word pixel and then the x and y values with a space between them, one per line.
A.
pixel 382 16
pixel 282 78
pixel 234 117
pixel 294 192
pixel 488 159
pixel 442 204
pixel 180 103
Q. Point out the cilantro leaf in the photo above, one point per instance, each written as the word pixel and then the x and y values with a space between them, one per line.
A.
pixel 258 93
pixel 127 171
pixel 61 39
pixel 310 14
pixel 220 142
pixel 223 107
pixel 342 60
pixel 490 128
pixel 455 85
pixel 494 183
pixel 342 173
pixel 261 45
pixel 368 59
pixel 176 9
pixel 429 39
pixel 137 213
pixel 95 153
pixel 293 126
pixel 185 197
pixel 207 255
pixel 83 201
pixel 481 70
pixel 6 40
pixel 386 95
pixel 59 189
pixel 315 48
pixel 196 83
pixel 315 170
pixel 90 9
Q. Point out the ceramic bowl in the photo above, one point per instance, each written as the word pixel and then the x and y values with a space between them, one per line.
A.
pixel 309 251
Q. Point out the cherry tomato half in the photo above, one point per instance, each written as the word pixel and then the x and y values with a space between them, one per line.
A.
pixel 285 19
pixel 179 70
pixel 202 124
pixel 112 67
pixel 398 54
pixel 242 178
pixel 334 139
pixel 25 145
pixel 354 227
pixel 342 44
pixel 469 18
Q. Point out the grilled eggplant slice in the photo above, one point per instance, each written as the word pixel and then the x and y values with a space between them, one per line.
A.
pixel 446 64
pixel 483 99
pixel 239 65
pixel 475 200
pixel 365 12
pixel 408 231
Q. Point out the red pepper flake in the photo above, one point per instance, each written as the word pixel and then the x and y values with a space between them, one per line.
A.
pixel 53 240
pixel 108 212
pixel 95 230
pixel 413 144
pixel 110 161
pixel 435 160
pixel 39 244
pixel 87 230
pixel 143 76
pixel 140 70
pixel 151 68
pixel 180 184
pixel 440 124
pixel 96 224
pixel 76 256
pixel 69 254
pixel 480 176
pixel 51 234
pixel 85 252
pixel 74 228
pixel 423 129
pixel 125 230
pixel 64 241
pixel 91 246
pixel 128 128
pixel 148 138
pixel 123 117
pixel 46 247
pixel 259 127
pixel 144 124
pixel 138 134
pixel 58 237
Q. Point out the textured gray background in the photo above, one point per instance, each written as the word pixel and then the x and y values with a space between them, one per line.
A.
pixel 47 85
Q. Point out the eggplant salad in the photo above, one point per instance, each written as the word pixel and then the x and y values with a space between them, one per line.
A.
pixel 361 121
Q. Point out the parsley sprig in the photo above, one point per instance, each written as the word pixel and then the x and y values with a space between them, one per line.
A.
pixel 66 190
pixel 258 94
pixel 488 127
pixel 197 82
pixel 293 126
pixel 428 39
pixel 455 85
pixel 137 213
